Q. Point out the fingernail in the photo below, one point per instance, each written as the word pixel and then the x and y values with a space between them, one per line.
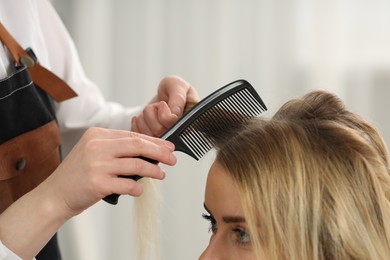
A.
pixel 173 158
pixel 163 174
pixel 176 110
pixel 170 145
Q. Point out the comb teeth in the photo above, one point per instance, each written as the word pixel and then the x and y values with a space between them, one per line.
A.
pixel 201 134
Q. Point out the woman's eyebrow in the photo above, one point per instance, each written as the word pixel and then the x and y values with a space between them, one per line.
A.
pixel 227 219
pixel 233 219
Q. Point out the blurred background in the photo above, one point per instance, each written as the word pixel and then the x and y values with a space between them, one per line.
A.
pixel 284 48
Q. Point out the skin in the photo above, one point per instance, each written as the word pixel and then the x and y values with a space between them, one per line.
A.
pixel 229 239
pixel 88 174
pixel 166 107
pixel 90 171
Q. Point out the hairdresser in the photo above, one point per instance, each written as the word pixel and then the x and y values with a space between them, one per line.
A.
pixel 46 101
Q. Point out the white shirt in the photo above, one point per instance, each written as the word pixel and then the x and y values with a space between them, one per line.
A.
pixel 6 254
pixel 35 24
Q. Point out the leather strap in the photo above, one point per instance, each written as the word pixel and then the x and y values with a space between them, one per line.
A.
pixel 43 78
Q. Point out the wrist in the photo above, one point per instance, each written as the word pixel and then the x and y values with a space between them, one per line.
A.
pixel 29 223
pixel 53 201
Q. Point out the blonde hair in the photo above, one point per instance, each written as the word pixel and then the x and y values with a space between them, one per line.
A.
pixel 314 182
pixel 147 221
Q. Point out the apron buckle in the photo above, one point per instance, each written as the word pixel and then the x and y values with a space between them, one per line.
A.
pixel 29 60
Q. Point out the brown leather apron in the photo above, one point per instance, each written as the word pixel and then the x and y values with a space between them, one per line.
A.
pixel 29 135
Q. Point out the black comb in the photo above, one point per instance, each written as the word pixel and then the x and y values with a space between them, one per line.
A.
pixel 195 132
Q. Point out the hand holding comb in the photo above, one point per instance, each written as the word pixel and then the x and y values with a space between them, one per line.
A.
pixel 195 132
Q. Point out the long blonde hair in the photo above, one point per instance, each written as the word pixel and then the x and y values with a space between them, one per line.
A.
pixel 314 182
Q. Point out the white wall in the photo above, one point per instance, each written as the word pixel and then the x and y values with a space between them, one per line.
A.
pixel 284 48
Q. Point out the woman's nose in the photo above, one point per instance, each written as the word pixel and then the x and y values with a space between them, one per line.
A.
pixel 215 250
pixel 206 254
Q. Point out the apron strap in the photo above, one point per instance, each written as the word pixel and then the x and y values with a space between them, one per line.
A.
pixel 43 78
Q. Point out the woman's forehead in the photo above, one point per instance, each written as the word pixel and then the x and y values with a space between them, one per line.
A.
pixel 221 193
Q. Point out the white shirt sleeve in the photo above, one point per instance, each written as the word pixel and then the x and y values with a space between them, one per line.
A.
pixel 36 24
pixel 89 108
pixel 6 254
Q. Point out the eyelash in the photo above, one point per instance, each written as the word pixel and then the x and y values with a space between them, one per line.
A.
pixel 242 239
pixel 213 223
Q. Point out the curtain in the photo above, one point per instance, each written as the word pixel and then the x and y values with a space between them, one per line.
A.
pixel 284 48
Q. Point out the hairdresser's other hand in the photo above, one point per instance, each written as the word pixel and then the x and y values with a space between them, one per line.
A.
pixel 166 107
pixel 90 170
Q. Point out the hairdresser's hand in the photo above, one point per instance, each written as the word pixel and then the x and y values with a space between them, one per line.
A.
pixel 165 108
pixel 90 170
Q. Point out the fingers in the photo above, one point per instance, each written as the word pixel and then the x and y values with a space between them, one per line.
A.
pixel 90 171
pixel 96 133
pixel 163 111
pixel 176 92
pixel 138 167
pixel 144 122
pixel 131 167
pixel 100 145
pixel 126 186
pixel 134 147
pixel 126 161
pixel 154 120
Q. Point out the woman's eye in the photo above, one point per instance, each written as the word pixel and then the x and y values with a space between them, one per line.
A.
pixel 241 237
pixel 213 223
